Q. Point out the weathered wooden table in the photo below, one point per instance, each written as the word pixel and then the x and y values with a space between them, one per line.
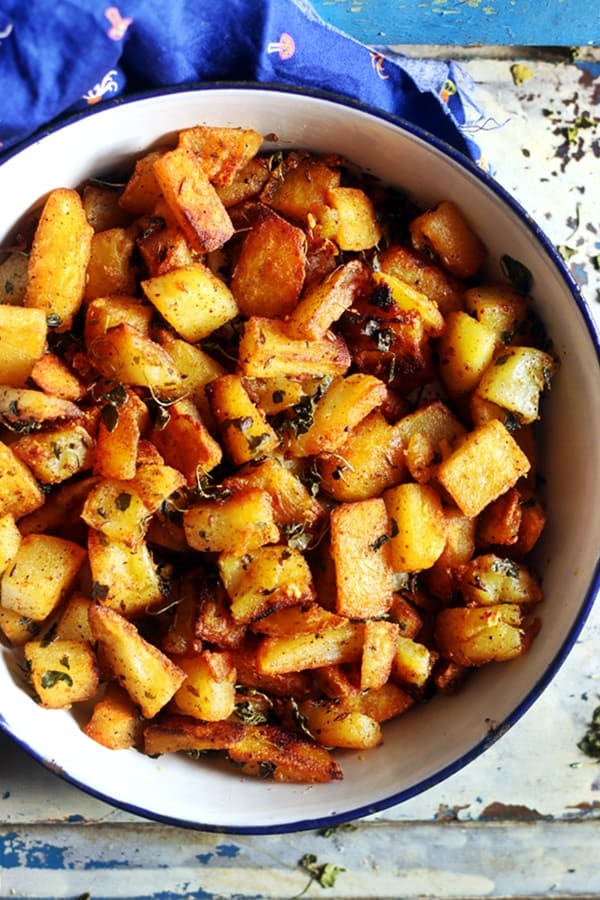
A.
pixel 521 821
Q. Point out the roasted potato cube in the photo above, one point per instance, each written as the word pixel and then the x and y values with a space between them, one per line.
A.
pixel 22 408
pixel 486 464
pixel 10 540
pixel 292 503
pixel 244 428
pixel 142 191
pixel 266 350
pixel 20 493
pixel 246 183
pixel 192 299
pixel 104 313
pixel 268 578
pixel 361 555
pixel 302 188
pixel 333 727
pixel 149 677
pixel 125 354
pixel 413 662
pixel 60 512
pixel 515 380
pixel 123 578
pixel 110 269
pixel 489 579
pixel 23 339
pixel 404 296
pixel 196 369
pixel 325 301
pixel 192 200
pixel 379 652
pixel 53 376
pixel 116 511
pixel 476 635
pixel 500 308
pixel 311 650
pixel 418 526
pixel 380 704
pixel 123 419
pixel 155 482
pixel 357 226
pixel 419 270
pixel 18 629
pixel 221 152
pixel 40 575
pixel 465 350
pixel 500 521
pixel 116 722
pixel 208 692
pixel 102 208
pixel 447 234
pixel 370 460
pixel 269 273
pixel 73 624
pixel 13 278
pixel 61 672
pixel 297 619
pixel 56 455
pixel 284 756
pixel 239 523
pixel 340 408
pixel 185 442
pixel 59 258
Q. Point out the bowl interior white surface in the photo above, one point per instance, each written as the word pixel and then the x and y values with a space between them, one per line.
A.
pixel 431 742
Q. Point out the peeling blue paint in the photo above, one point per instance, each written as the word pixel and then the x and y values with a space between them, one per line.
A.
pixel 228 850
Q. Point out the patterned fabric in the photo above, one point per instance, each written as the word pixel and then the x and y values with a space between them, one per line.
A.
pixel 60 56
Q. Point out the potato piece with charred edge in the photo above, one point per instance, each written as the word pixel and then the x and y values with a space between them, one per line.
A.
pixel 18 629
pixel 149 677
pixel 192 299
pixel 246 184
pixel 73 624
pixel 406 297
pixel 40 575
pixel 115 721
pixel 419 270
pixel 10 540
pixel 192 200
pixel 123 419
pixel 476 635
pixel 266 350
pixel 23 339
pixel 380 703
pixel 142 191
pixel 265 579
pixel 101 206
pixel 239 523
pixel 126 355
pixel 269 273
pixel 357 226
pixel 284 756
pixel 53 376
pixel 58 260
pixel 196 368
pixel 62 672
pixel 445 232
pixel 486 464
pixel 324 302
pixel 298 619
pixel 500 308
pixel 104 313
pixel 362 559
pixel 303 188
pixel 173 733
pixel 23 407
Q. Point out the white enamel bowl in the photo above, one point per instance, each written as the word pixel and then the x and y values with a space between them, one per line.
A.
pixel 436 740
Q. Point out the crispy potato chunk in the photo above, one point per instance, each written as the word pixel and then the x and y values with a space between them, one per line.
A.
pixel 418 526
pixel 515 380
pixel 123 578
pixel 115 722
pixel 466 349
pixel 331 727
pixel 62 672
pixel 221 152
pixel 478 635
pixel 40 575
pixel 242 522
pixel 324 302
pixel 148 676
pixel 486 464
pixel 110 269
pixel 488 579
pixel 23 339
pixel 174 733
pixel 266 350
pixel 59 258
pixel 445 231
pixel 56 455
pixel 208 692
pixel 338 644
pixel 244 428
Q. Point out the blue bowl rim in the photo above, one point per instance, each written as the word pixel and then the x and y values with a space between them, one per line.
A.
pixel 498 729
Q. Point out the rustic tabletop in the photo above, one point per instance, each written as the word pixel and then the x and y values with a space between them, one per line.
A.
pixel 524 819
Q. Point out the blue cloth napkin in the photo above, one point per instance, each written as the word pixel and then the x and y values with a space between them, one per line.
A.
pixel 61 56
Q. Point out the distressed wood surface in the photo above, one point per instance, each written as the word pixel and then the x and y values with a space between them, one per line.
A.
pixel 462 22
pixel 521 821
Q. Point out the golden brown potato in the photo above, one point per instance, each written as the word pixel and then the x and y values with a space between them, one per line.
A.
pixel 23 339
pixel 445 231
pixel 62 672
